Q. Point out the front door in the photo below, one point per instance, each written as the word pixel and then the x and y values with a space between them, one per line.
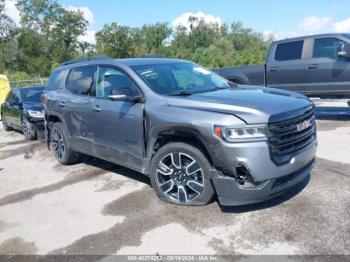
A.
pixel 117 125
pixel 15 110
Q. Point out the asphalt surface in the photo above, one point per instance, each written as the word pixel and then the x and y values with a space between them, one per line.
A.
pixel 99 208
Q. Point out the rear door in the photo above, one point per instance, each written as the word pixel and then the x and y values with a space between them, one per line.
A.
pixel 328 74
pixel 286 66
pixel 75 107
pixel 117 126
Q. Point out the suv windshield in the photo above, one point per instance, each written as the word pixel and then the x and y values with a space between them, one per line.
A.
pixel 180 78
pixel 31 94
pixel 346 35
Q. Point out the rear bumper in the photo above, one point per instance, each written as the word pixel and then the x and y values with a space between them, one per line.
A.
pixel 230 193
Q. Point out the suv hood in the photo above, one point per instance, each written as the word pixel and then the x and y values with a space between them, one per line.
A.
pixel 37 106
pixel 254 105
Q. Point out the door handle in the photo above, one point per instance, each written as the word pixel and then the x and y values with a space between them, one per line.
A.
pixel 312 66
pixel 97 108
pixel 273 69
pixel 62 104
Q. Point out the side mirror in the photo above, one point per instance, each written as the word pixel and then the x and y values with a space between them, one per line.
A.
pixel 118 97
pixel 124 94
pixel 344 51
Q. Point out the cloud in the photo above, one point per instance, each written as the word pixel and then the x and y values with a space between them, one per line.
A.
pixel 319 25
pixel 87 13
pixel 342 26
pixel 12 11
pixel 183 20
pixel 314 24
pixel 89 37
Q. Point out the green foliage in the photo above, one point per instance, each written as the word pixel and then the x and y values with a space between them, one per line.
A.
pixel 49 34
pixel 115 40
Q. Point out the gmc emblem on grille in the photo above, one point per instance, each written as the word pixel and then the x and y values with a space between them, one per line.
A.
pixel 303 125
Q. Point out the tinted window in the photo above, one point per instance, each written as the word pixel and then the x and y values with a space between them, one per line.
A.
pixel 326 47
pixel 172 78
pixel 31 94
pixel 56 80
pixel 111 81
pixel 80 80
pixel 289 51
pixel 10 97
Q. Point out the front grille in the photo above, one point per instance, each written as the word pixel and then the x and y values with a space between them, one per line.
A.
pixel 286 138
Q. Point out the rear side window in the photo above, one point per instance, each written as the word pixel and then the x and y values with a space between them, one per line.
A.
pixel 56 80
pixel 289 51
pixel 80 80
pixel 326 47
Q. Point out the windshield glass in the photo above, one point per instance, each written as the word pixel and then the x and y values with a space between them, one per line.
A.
pixel 347 35
pixel 180 78
pixel 31 94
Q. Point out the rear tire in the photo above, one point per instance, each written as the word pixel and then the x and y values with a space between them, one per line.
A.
pixel 180 175
pixel 28 130
pixel 5 124
pixel 60 145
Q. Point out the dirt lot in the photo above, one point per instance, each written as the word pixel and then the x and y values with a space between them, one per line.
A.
pixel 98 208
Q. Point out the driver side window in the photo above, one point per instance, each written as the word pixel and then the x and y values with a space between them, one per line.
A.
pixel 111 81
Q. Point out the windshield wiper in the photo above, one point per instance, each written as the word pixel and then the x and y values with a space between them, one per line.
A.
pixel 213 89
pixel 181 93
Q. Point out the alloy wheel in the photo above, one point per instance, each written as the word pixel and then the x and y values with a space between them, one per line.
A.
pixel 26 129
pixel 180 177
pixel 58 143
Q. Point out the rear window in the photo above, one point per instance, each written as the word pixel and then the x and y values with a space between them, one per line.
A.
pixel 80 80
pixel 289 51
pixel 56 80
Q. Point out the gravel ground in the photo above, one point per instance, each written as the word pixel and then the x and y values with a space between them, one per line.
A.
pixel 99 208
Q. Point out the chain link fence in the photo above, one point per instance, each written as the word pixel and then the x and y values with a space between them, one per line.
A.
pixel 29 82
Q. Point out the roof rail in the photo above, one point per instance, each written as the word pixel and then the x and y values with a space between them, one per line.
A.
pixel 86 59
pixel 152 56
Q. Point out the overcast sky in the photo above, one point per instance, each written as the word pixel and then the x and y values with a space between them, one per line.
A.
pixel 281 18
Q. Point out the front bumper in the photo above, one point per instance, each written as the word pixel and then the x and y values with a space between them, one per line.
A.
pixel 268 179
pixel 230 193
pixel 39 126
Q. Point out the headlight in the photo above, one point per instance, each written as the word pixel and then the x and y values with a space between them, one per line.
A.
pixel 241 134
pixel 36 114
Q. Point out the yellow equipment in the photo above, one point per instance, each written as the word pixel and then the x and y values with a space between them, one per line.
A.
pixel 4 89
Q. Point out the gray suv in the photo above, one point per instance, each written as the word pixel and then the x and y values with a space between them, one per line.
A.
pixel 195 134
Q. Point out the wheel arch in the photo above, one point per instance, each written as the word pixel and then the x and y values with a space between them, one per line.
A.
pixel 179 134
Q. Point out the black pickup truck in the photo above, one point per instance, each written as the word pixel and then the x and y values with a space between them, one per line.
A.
pixel 317 65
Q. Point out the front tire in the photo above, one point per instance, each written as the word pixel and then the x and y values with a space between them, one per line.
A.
pixel 28 130
pixel 180 175
pixel 61 147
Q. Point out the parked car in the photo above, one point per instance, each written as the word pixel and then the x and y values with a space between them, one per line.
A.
pixel 23 111
pixel 193 132
pixel 317 65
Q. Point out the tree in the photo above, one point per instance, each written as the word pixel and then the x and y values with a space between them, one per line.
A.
pixel 48 35
pixel 6 23
pixel 154 37
pixel 115 40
